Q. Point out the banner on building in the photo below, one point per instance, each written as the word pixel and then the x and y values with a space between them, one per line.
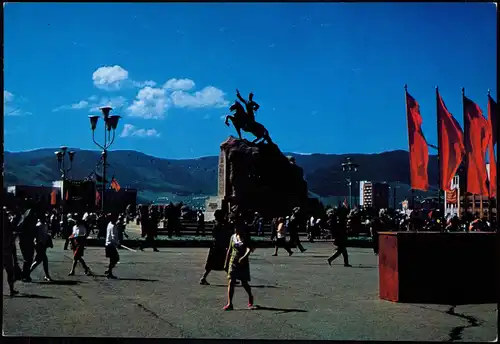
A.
pixel 452 196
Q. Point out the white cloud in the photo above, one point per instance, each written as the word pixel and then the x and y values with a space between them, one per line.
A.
pixel 150 83
pixel 131 131
pixel 82 104
pixel 179 84
pixel 114 102
pixel 7 96
pixel 150 103
pixel 114 78
pixel 94 103
pixel 109 78
pixel 10 105
pixel 208 97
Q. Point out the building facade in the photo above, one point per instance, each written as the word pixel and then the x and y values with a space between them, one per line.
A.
pixel 456 203
pixel 374 195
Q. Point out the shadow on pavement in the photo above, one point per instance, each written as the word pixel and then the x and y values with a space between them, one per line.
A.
pixel 33 296
pixel 253 286
pixel 341 264
pixel 281 310
pixel 129 279
pixel 61 282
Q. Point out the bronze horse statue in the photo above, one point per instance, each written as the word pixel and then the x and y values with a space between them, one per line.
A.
pixel 241 121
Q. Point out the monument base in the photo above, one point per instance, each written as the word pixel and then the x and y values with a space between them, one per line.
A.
pixel 441 268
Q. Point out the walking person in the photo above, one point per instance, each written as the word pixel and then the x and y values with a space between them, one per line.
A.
pixel 217 254
pixel 296 224
pixel 111 246
pixel 9 249
pixel 68 224
pixel 151 228
pixel 144 219
pixel 55 226
pixel 43 242
pixel 339 232
pixel 27 235
pixel 78 240
pixel 200 218
pixel 281 237
pixel 237 264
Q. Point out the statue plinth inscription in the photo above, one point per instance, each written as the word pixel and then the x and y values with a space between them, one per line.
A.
pixel 222 177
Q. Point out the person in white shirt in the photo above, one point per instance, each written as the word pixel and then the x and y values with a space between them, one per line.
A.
pixel 78 239
pixel 111 246
pixel 281 237
pixel 42 242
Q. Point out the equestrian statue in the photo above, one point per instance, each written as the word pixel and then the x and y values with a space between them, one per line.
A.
pixel 245 119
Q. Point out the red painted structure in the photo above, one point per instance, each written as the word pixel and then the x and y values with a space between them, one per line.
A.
pixel 441 268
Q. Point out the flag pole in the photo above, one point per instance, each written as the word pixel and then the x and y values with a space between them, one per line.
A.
pixel 439 155
pixel 497 179
pixel 465 160
pixel 409 153
pixel 490 198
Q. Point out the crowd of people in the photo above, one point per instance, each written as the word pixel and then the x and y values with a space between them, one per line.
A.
pixel 232 242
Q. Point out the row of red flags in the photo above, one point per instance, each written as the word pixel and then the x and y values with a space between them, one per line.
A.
pixel 478 141
pixel 114 185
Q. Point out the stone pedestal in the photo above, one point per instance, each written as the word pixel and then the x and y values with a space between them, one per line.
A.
pixel 258 177
pixel 223 189
pixel 441 268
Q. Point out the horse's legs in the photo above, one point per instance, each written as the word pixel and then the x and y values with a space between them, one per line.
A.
pixel 227 120
pixel 238 129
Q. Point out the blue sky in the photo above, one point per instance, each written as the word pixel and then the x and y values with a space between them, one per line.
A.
pixel 329 76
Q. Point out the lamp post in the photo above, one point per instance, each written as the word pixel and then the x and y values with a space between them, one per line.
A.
pixel 61 164
pixel 349 167
pixel 110 125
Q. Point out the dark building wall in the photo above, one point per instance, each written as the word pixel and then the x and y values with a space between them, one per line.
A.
pixel 380 195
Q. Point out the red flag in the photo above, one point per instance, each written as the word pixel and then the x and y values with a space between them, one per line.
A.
pixel 53 197
pixel 492 119
pixel 419 153
pixel 67 195
pixel 97 198
pixel 115 185
pixel 345 204
pixel 451 146
pixel 476 144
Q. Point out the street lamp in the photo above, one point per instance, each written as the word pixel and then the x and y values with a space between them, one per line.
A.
pixel 110 125
pixel 61 155
pixel 349 167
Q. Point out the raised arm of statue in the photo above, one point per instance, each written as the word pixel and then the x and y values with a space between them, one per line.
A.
pixel 241 98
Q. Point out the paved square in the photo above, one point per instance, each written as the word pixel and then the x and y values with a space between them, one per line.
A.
pixel 301 297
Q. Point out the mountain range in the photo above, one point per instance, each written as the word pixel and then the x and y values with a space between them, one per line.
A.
pixel 191 178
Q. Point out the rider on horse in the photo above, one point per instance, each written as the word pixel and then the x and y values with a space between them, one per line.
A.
pixel 250 105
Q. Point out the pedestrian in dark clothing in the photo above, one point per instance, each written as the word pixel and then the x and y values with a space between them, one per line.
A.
pixel 151 230
pixel 200 217
pixel 144 218
pixel 217 254
pixel 339 232
pixel 27 241
pixel 9 249
pixel 294 225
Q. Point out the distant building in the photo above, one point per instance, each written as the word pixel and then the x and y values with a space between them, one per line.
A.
pixel 455 203
pixel 361 192
pixel 374 195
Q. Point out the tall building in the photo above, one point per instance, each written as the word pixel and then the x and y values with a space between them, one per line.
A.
pixel 374 195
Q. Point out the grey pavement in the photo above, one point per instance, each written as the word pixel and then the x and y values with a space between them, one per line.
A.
pixel 299 297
